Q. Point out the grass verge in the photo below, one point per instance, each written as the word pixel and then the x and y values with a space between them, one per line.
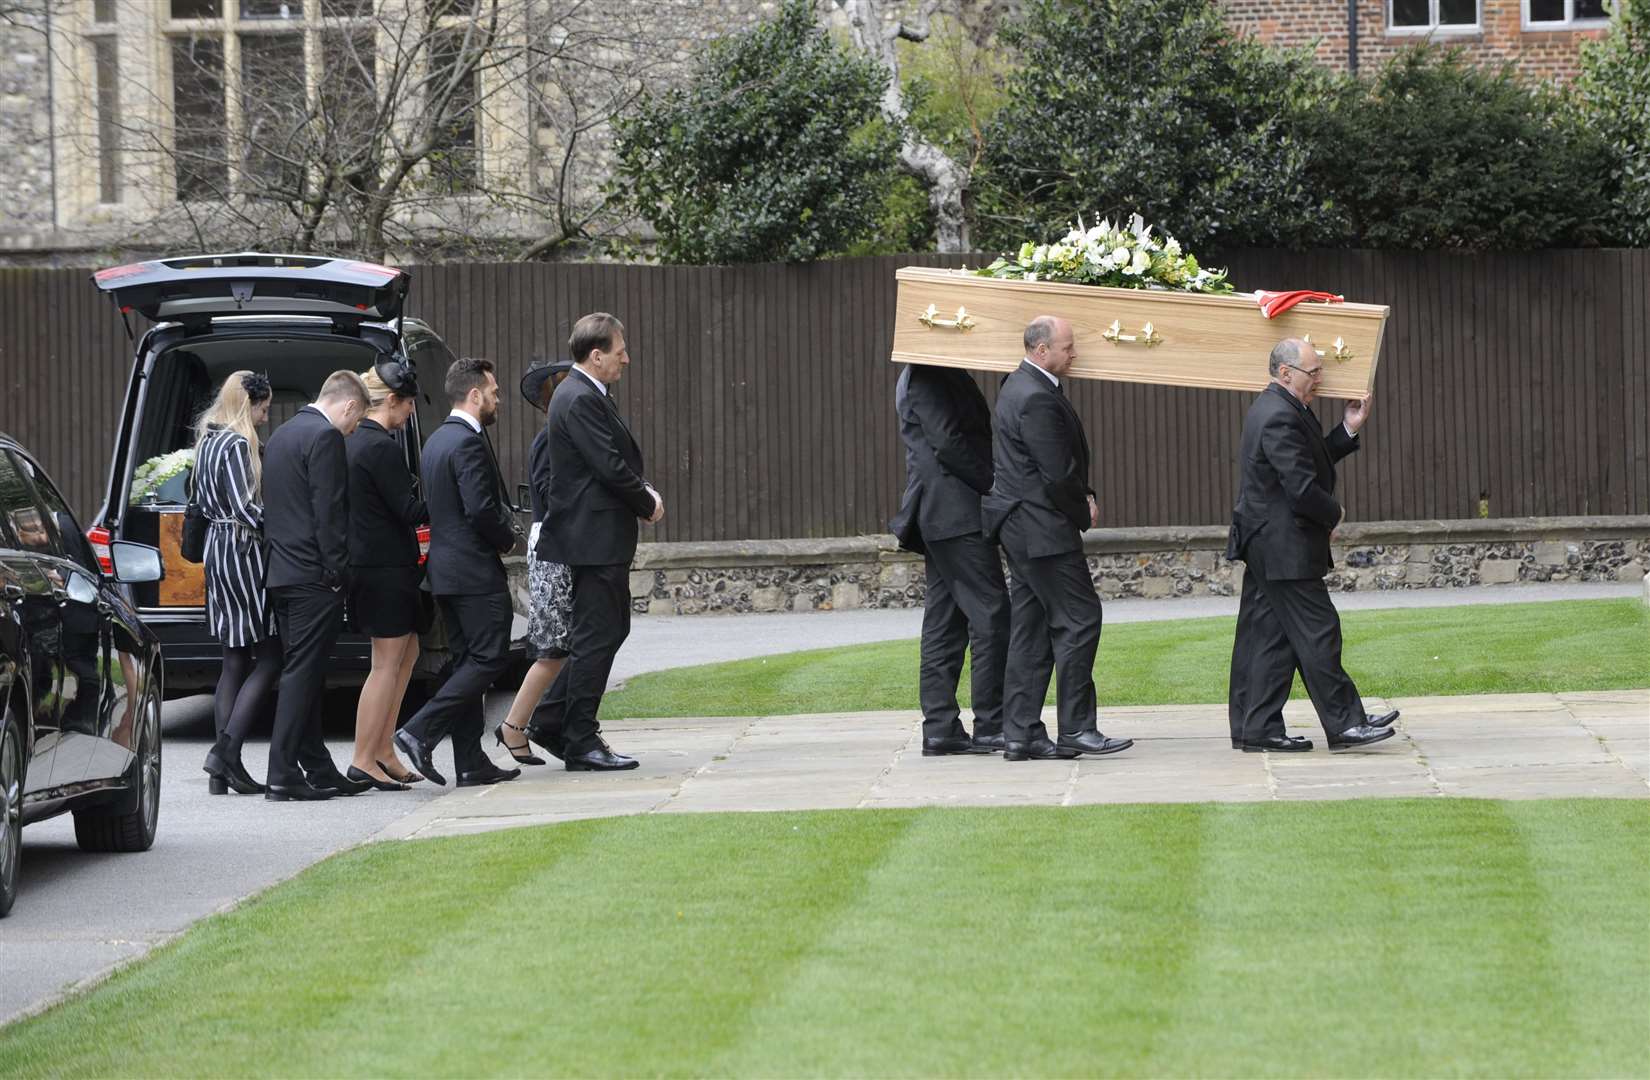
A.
pixel 1486 649
pixel 1383 937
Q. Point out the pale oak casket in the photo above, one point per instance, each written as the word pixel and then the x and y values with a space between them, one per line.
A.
pixel 955 318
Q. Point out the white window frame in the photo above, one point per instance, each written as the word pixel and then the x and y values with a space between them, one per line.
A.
pixel 1569 22
pixel 1433 27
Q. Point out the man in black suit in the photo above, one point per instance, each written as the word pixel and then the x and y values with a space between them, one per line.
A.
pixel 945 424
pixel 1039 505
pixel 597 500
pixel 1285 515
pixel 470 529
pixel 306 525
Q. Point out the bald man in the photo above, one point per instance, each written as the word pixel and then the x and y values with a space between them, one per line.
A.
pixel 1039 504
pixel 1286 513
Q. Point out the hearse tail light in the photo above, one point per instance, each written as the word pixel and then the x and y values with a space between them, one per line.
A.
pixel 423 543
pixel 99 538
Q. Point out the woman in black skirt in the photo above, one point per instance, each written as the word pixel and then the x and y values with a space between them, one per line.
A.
pixel 384 512
pixel 227 483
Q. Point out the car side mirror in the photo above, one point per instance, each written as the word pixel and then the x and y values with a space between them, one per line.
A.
pixel 524 499
pixel 135 563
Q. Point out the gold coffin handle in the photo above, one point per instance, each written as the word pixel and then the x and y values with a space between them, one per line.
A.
pixel 931 319
pixel 1148 335
pixel 1337 349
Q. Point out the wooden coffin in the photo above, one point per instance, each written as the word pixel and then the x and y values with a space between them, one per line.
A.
pixel 957 319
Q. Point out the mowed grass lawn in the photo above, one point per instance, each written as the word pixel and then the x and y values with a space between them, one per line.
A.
pixel 1382 937
pixel 1482 649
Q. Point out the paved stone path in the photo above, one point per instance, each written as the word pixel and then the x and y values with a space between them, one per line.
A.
pixel 1492 746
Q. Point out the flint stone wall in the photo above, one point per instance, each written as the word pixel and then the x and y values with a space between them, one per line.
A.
pixel 870 572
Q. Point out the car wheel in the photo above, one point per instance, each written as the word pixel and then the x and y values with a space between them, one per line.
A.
pixel 133 827
pixel 11 806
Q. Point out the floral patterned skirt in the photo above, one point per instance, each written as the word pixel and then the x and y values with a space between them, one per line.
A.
pixel 549 623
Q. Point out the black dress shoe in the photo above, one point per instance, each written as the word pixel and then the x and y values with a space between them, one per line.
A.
pixel 951 744
pixel 1037 750
pixel 419 754
pixel 217 785
pixel 1380 719
pixel 1359 735
pixel 990 743
pixel 555 744
pixel 229 774
pixel 1282 744
pixel 1237 744
pixel 362 776
pixel 487 774
pixel 601 759
pixel 303 791
pixel 1092 742
pixel 523 755
pixel 343 785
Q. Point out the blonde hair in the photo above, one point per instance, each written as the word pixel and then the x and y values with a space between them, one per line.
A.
pixel 378 394
pixel 232 409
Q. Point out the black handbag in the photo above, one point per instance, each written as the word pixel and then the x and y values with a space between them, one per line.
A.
pixel 192 544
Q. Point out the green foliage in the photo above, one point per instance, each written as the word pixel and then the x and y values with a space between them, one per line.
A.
pixel 1154 107
pixel 774 150
pixel 1614 95
pixel 953 87
pixel 904 223
pixel 1435 152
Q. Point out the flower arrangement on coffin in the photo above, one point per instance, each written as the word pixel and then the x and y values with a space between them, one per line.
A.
pixel 1126 256
pixel 163 478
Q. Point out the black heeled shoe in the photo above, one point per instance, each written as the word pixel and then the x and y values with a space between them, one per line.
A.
pixel 228 773
pixel 362 776
pixel 526 758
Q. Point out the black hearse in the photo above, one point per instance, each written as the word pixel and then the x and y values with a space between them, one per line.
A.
pixel 297 318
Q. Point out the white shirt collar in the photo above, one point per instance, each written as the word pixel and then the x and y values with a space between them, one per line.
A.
pixel 597 383
pixel 475 424
pixel 1055 379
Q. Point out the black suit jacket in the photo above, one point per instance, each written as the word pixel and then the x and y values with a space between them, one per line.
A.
pixel 596 495
pixel 306 502
pixel 1286 486
pixel 470 524
pixel 538 472
pixel 946 427
pixel 384 507
pixel 1040 460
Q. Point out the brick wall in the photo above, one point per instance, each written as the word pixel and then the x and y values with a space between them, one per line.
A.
pixel 1547 54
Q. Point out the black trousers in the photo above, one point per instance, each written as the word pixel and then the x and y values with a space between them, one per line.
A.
pixel 478 639
pixel 309 618
pixel 1055 618
pixel 1283 627
pixel 601 622
pixel 966 604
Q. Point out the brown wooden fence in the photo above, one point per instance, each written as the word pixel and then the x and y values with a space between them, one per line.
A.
pixel 762 394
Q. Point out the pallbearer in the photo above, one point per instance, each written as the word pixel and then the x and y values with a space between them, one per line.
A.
pixel 945 424
pixel 1040 503
pixel 1285 515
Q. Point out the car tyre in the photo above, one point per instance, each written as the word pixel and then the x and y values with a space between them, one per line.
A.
pixel 11 806
pixel 131 827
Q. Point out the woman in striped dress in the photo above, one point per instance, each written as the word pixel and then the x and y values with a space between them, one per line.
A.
pixel 226 478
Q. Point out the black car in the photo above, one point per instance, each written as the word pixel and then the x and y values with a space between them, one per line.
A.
pixel 80 676
pixel 296 318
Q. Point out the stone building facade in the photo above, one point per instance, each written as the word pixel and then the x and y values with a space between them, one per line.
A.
pixel 1542 38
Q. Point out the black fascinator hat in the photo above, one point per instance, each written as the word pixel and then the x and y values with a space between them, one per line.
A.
pixel 256 386
pixel 534 378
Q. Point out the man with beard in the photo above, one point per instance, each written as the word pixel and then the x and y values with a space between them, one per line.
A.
pixel 470 529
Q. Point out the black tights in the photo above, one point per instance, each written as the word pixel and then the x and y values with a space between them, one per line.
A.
pixel 250 673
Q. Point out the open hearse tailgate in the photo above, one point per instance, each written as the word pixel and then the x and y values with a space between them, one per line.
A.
pixel 253 283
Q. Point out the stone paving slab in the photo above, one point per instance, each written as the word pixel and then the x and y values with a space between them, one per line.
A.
pixel 1503 746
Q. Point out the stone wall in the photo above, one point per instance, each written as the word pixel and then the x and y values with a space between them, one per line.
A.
pixel 868 572
pixel 25 124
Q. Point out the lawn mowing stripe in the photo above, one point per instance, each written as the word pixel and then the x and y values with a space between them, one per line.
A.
pixel 1598 895
pixel 1315 945
pixel 992 964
